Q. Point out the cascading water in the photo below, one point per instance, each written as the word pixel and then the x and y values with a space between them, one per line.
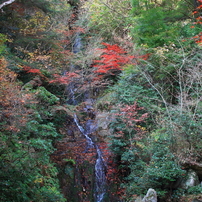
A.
pixel 71 89
pixel 89 128
pixel 100 167
pixel 89 140
pixel 77 46
pixel 100 180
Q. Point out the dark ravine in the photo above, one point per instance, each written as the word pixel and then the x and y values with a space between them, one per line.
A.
pixel 88 179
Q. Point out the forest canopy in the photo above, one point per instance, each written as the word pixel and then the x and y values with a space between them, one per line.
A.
pixel 140 61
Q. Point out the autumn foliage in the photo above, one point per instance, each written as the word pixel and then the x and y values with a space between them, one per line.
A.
pixel 65 79
pixel 112 60
pixel 198 38
pixel 131 116
pixel 11 102
pixel 28 69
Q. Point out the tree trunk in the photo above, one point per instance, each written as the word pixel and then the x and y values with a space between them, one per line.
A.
pixel 6 3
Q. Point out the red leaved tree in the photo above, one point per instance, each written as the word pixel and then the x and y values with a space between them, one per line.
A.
pixel 28 69
pixel 112 60
pixel 132 118
pixel 65 79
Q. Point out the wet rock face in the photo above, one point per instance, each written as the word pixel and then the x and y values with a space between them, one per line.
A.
pixel 103 120
pixel 191 180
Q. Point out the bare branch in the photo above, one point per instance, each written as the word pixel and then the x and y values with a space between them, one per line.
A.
pixel 6 3
pixel 114 10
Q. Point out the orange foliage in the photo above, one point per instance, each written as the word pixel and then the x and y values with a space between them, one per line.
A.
pixel 28 69
pixel 65 79
pixel 11 100
pixel 198 37
pixel 113 59
pixel 130 115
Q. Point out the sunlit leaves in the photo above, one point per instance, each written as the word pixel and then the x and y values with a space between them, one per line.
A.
pixel 112 60
pixel 109 18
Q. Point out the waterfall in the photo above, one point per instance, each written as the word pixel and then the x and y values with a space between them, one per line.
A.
pixel 71 90
pixel 100 180
pixel 89 140
pixel 77 46
pixel 86 130
pixel 72 87
pixel 100 167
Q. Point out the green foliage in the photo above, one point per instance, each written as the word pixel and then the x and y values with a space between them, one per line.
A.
pixel 177 194
pixel 158 171
pixel 72 161
pixel 45 97
pixel 109 18
pixel 152 30
pixel 163 167
pixel 69 170
pixel 128 144
pixel 27 174
pixel 148 153
pixel 132 86
pixel 166 77
pixel 157 24
pixel 188 30
pixel 28 131
pixel 195 189
pixel 2 41
pixel 187 133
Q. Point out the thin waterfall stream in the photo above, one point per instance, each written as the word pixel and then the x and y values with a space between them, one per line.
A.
pixel 100 167
pixel 87 168
pixel 100 179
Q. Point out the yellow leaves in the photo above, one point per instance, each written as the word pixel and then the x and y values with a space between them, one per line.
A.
pixel 38 180
pixel 140 127
pixel 5 74
pixel 39 22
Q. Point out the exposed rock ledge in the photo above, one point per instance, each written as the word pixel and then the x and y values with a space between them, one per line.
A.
pixel 190 164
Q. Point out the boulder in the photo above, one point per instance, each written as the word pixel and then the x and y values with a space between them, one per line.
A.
pixel 138 199
pixel 62 109
pixel 191 180
pixel 193 165
pixel 151 196
pixel 196 200
pixel 103 120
